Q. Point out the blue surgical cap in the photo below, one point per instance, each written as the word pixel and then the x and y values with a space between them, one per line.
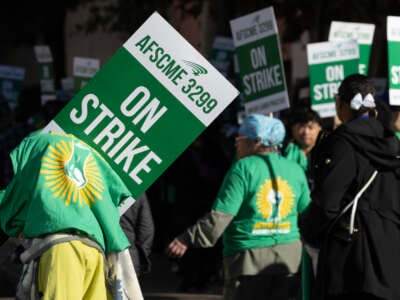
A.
pixel 269 131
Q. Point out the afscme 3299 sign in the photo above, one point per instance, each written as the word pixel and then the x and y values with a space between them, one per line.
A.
pixel 118 136
pixel 147 104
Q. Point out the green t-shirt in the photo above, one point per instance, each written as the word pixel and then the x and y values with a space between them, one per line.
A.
pixel 294 153
pixel 265 193
pixel 60 184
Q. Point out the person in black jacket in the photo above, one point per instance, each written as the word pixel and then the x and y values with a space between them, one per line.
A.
pixel 137 223
pixel 362 263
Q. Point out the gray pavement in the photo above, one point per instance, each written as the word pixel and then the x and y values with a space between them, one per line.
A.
pixel 160 284
pixel 181 296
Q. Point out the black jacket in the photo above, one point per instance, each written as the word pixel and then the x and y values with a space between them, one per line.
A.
pixel 137 223
pixel 368 261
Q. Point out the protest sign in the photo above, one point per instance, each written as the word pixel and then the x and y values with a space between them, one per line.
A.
pixel 11 79
pixel 329 63
pixel 262 77
pixel 148 103
pixel 222 54
pixel 83 69
pixel 393 37
pixel 45 60
pixel 363 33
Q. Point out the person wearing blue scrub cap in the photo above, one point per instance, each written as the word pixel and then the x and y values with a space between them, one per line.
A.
pixel 256 212
pixel 267 130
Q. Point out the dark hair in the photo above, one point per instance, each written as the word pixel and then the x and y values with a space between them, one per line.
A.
pixel 303 115
pixel 354 84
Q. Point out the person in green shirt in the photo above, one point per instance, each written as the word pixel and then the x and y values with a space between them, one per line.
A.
pixel 256 213
pixel 63 201
pixel 305 124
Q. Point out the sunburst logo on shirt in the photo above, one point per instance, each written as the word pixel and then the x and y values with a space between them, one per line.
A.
pixel 275 204
pixel 71 173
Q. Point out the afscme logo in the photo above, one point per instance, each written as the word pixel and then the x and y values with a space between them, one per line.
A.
pixel 196 68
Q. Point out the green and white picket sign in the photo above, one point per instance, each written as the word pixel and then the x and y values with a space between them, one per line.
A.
pixel 11 79
pixel 393 37
pixel 148 103
pixel 222 54
pixel 329 63
pixel 363 33
pixel 84 68
pixel 262 76
pixel 45 60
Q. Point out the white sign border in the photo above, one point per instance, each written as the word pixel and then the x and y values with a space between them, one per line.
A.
pixel 350 27
pixel 247 21
pixel 218 86
pixel 331 46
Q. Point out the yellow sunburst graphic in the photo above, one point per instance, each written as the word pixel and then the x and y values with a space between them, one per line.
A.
pixel 71 173
pixel 275 204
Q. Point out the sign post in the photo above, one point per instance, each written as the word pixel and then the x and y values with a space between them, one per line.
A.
pixel 262 76
pixel 363 33
pixel 147 104
pixel 329 63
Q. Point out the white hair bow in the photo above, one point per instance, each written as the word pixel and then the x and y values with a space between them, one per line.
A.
pixel 358 101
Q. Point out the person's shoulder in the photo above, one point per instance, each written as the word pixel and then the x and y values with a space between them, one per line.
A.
pixel 27 142
pixel 274 158
pixel 333 147
pixel 248 161
pixel 238 165
pixel 41 136
pixel 290 145
pixel 246 164
pixel 332 142
pixel 32 136
pixel 289 165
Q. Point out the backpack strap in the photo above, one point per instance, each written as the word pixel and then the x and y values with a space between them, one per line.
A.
pixel 354 203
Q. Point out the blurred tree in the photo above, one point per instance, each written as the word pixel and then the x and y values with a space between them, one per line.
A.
pixel 120 15
pixel 27 22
